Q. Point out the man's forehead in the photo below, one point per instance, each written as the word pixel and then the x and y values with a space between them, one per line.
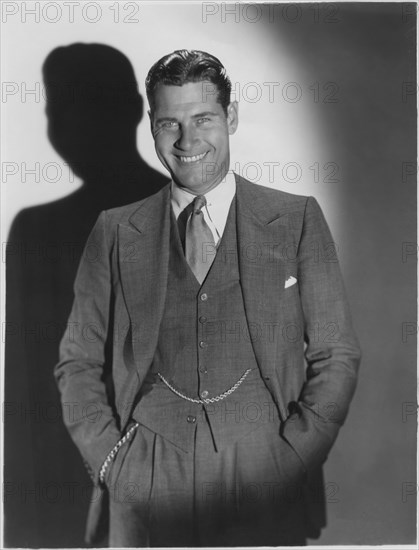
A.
pixel 203 93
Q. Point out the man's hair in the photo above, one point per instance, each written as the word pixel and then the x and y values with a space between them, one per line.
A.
pixel 183 66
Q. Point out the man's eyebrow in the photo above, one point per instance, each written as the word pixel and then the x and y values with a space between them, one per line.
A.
pixel 205 113
pixel 198 115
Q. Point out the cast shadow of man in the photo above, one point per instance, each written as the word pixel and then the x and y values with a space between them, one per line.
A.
pixel 93 110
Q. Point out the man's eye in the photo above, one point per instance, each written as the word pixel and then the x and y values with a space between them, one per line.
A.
pixel 169 124
pixel 203 119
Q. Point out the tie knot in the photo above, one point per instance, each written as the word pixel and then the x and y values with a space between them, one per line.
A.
pixel 198 203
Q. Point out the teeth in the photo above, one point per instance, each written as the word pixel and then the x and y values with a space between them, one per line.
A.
pixel 192 159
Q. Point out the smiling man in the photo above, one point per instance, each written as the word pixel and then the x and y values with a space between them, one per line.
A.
pixel 233 360
pixel 191 130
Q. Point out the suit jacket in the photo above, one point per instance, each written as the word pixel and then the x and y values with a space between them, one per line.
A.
pixel 303 339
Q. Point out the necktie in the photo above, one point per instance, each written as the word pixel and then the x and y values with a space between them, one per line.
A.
pixel 199 241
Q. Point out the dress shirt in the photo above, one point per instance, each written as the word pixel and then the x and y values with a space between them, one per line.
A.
pixel 218 203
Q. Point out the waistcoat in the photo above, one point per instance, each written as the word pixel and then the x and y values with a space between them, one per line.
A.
pixel 204 350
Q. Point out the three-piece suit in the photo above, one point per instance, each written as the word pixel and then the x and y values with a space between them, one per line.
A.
pixel 238 386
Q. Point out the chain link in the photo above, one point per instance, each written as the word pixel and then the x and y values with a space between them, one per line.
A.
pixel 209 399
pixel 114 451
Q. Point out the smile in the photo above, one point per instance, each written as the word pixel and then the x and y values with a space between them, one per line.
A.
pixel 195 158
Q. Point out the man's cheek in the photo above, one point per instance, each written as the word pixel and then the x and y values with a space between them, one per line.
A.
pixel 160 148
pixel 161 156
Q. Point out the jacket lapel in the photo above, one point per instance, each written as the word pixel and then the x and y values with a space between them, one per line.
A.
pixel 261 238
pixel 143 260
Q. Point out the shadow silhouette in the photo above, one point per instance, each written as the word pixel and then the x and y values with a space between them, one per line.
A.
pixel 93 110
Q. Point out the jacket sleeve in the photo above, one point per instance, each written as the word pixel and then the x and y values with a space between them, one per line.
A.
pixel 86 412
pixel 332 351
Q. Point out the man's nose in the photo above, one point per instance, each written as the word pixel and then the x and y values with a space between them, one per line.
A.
pixel 187 139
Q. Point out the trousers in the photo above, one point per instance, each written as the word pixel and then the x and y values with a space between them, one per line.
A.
pixel 163 496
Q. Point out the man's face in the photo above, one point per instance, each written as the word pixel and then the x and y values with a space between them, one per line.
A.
pixel 191 134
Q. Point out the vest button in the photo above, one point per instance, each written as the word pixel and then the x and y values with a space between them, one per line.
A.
pixel 203 344
pixel 202 319
pixel 203 369
pixel 204 297
pixel 191 419
pixel 204 394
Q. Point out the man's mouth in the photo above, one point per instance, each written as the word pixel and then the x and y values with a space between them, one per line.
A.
pixel 189 159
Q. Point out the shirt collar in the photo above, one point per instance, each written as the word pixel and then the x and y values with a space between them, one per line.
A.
pixel 217 199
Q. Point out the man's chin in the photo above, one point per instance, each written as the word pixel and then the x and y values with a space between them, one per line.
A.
pixel 191 185
pixel 198 186
pixel 190 181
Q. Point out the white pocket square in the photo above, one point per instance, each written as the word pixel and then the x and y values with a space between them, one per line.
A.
pixel 290 281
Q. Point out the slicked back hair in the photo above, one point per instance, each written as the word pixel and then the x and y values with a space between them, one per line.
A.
pixel 184 66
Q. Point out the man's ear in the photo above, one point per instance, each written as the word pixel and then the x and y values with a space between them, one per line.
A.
pixel 232 117
pixel 150 116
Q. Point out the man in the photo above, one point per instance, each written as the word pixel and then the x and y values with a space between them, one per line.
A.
pixel 233 356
